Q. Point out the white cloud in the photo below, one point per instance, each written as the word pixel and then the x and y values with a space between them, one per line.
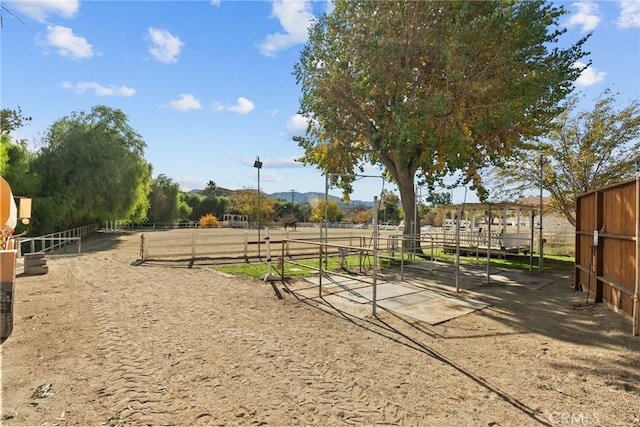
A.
pixel 99 90
pixel 589 76
pixel 67 43
pixel 295 18
pixel 242 106
pixel 284 163
pixel 297 125
pixel 186 102
pixel 587 16
pixel 215 2
pixel 165 47
pixel 40 9
pixel 629 14
pixel 271 176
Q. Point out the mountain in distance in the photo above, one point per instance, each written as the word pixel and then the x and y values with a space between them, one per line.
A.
pixel 312 196
pixel 298 198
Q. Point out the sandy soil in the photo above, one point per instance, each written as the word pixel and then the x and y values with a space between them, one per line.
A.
pixel 99 341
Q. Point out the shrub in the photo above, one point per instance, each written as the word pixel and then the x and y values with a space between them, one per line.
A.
pixel 209 221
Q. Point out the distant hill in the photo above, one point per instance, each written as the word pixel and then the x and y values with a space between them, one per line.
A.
pixel 298 198
pixel 312 196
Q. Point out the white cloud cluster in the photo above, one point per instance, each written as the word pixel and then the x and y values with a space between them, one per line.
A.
pixel 629 14
pixel 587 16
pixel 297 125
pixel 242 106
pixel 67 43
pixel 295 18
pixel 186 102
pixel 165 47
pixel 99 90
pixel 589 76
pixel 41 9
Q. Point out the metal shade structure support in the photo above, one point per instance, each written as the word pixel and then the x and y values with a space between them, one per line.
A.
pixel 636 294
pixel 375 254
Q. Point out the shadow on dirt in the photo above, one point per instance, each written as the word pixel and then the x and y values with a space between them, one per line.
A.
pixel 98 241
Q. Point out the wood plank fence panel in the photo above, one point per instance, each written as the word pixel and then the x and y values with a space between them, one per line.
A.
pixel 609 270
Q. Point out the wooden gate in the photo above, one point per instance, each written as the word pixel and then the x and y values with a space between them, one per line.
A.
pixel 607 248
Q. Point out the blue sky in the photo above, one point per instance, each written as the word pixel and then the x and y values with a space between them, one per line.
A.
pixel 209 84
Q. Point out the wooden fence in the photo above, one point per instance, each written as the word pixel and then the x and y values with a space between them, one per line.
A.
pixel 225 244
pixel 54 241
pixel 607 247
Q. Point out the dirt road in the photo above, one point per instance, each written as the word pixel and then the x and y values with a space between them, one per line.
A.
pixel 99 341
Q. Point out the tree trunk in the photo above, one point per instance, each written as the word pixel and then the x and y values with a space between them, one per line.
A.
pixel 408 198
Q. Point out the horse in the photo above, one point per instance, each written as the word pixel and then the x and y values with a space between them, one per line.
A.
pixel 291 224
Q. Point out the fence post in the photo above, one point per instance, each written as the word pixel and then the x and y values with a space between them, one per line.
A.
pixel 143 251
pixel 320 272
pixel 246 244
pixel 287 237
pixel 282 260
pixel 193 246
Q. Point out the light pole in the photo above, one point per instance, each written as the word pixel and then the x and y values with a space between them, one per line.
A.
pixel 541 242
pixel 258 165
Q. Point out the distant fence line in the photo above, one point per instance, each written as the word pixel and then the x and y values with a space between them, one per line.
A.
pixel 555 242
pixel 252 225
pixel 245 245
pixel 54 241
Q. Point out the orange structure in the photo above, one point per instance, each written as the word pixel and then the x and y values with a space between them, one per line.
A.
pixel 9 216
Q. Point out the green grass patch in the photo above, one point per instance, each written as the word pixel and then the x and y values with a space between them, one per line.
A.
pixel 511 262
pixel 309 266
pixel 306 268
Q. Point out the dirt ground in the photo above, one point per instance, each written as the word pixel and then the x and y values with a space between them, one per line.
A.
pixel 99 341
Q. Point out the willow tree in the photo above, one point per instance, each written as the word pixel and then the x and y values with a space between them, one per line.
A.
pixel 425 89
pixel 92 168
pixel 164 200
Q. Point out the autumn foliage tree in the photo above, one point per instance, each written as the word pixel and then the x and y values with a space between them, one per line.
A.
pixel 586 150
pixel 329 210
pixel 209 221
pixel 253 204
pixel 429 88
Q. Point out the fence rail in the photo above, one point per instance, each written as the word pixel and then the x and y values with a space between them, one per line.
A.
pixel 53 241
pixel 200 244
pixel 246 244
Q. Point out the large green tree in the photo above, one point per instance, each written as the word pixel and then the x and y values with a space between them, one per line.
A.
pixel 15 158
pixel 586 150
pixel 428 88
pixel 165 200
pixel 92 168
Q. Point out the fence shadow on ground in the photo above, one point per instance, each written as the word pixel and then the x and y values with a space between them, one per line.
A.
pixel 95 242
pixel 552 310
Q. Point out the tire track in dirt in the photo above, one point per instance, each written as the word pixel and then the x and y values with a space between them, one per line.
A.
pixel 205 368
pixel 128 392
pixel 312 388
